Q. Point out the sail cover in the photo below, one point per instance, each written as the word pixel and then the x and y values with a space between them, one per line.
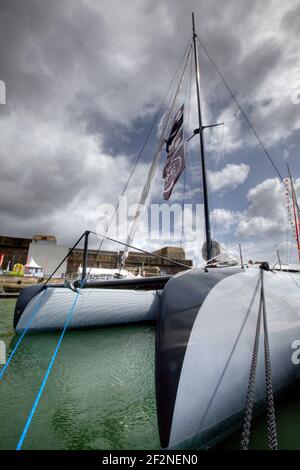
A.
pixel 175 163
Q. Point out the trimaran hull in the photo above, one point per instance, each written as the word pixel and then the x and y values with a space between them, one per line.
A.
pixel 52 307
pixel 205 334
pixel 205 340
pixel 98 303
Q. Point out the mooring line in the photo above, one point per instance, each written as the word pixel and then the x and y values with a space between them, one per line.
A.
pixel 34 313
pixel 39 394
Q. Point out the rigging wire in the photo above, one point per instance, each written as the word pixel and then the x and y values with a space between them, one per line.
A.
pixel 190 164
pixel 108 225
pixel 218 195
pixel 127 245
pixel 153 166
pixel 34 312
pixel 46 376
pixel 231 353
pixel 216 159
pixel 182 211
pixel 37 399
pixel 186 144
pixel 251 126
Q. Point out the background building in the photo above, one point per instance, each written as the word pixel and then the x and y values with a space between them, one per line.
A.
pixel 46 253
pixel 149 265
pixel 43 249
pixel 13 250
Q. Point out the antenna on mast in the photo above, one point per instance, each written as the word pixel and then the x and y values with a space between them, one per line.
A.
pixel 202 152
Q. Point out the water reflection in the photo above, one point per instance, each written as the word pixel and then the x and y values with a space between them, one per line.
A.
pixel 100 394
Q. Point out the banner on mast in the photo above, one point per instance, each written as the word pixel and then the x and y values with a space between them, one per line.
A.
pixel 175 163
pixel 293 215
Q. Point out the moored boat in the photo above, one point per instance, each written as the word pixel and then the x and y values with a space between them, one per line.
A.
pixel 205 338
pixel 98 303
pixel 208 321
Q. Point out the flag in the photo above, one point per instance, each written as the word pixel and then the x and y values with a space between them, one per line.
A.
pixel 175 162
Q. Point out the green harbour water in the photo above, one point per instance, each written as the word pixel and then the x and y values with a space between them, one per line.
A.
pixel 100 393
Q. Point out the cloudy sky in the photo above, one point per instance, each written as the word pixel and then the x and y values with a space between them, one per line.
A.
pixel 84 79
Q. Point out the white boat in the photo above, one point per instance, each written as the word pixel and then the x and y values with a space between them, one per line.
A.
pixel 228 341
pixel 207 326
pixel 205 339
pixel 105 274
pixel 98 303
pixel 94 308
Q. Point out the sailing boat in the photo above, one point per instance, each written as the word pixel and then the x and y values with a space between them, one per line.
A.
pixel 208 330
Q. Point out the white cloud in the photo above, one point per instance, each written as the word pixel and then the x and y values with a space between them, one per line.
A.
pixel 230 177
pixel 267 215
pixel 58 185
pixel 224 219
pixel 81 74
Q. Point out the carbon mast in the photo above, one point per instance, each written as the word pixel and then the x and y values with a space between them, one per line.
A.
pixel 202 150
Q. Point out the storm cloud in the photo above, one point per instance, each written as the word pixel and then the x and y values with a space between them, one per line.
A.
pixel 84 79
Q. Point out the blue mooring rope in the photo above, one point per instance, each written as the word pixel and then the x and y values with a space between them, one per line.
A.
pixel 39 394
pixel 34 313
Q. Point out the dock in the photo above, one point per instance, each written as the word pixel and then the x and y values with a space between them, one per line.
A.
pixel 9 295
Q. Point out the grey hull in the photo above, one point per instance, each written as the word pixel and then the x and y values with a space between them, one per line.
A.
pixel 205 340
pixel 49 308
